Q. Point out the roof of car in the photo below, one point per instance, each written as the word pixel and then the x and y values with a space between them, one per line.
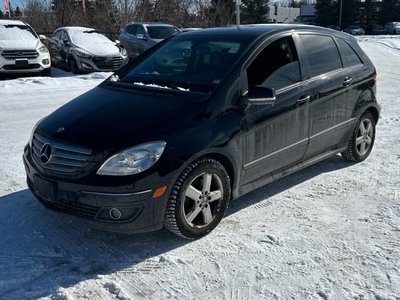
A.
pixel 75 28
pixel 256 30
pixel 11 22
pixel 152 24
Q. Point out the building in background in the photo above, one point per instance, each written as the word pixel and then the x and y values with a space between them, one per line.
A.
pixel 282 14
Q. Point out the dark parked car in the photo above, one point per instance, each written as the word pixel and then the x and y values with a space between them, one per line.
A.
pixel 81 49
pixel 393 27
pixel 354 30
pixel 201 119
pixel 375 29
pixel 138 37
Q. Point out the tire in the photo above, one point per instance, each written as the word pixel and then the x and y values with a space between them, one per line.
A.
pixel 194 209
pixel 73 66
pixel 362 139
pixel 46 72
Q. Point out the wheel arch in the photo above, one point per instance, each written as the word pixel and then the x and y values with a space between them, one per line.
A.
pixel 367 102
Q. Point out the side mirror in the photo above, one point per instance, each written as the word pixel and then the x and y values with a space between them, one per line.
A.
pixel 259 95
pixel 117 42
pixel 42 37
pixel 141 37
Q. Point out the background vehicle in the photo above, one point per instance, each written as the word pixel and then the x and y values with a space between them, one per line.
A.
pixel 21 50
pixel 393 27
pixel 138 37
pixel 354 30
pixel 375 29
pixel 208 116
pixel 81 49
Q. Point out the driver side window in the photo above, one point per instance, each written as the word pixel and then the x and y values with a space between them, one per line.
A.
pixel 277 66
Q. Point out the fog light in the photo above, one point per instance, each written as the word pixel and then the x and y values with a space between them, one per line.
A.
pixel 115 214
pixel 45 61
pixel 86 66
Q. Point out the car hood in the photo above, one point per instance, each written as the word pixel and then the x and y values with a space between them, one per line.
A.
pixel 19 44
pixel 111 118
pixel 101 48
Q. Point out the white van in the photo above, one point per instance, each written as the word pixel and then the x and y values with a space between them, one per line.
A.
pixel 21 50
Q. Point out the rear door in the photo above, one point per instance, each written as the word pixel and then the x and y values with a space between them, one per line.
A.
pixel 332 100
pixel 277 135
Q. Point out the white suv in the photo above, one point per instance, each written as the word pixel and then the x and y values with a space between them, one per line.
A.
pixel 21 50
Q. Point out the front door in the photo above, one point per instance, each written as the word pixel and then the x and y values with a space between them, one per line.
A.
pixel 275 136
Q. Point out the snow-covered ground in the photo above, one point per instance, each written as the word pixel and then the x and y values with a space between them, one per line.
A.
pixel 331 231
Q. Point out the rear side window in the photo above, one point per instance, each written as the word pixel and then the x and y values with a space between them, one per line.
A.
pixel 349 56
pixel 322 54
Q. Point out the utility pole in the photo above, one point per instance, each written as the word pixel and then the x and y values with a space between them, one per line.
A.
pixel 340 14
pixel 238 2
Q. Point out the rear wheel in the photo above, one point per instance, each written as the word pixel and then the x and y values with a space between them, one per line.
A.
pixel 198 200
pixel 362 140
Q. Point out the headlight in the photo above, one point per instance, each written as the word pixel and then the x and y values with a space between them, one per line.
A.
pixel 133 160
pixel 43 49
pixel 123 51
pixel 83 54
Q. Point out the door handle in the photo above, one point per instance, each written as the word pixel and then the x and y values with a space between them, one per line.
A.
pixel 303 99
pixel 347 81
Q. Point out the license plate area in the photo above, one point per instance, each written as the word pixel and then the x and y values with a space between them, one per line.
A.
pixel 44 189
pixel 21 62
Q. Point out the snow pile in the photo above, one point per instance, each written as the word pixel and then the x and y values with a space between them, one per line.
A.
pixel 331 231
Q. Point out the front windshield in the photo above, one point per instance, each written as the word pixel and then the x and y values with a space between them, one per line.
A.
pixel 89 37
pixel 161 32
pixel 193 63
pixel 16 32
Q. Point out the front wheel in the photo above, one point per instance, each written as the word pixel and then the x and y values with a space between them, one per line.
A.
pixel 73 65
pixel 198 200
pixel 362 140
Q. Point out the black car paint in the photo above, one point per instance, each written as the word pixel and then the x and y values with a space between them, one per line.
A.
pixel 256 144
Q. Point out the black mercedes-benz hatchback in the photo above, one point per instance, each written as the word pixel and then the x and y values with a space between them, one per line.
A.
pixel 201 119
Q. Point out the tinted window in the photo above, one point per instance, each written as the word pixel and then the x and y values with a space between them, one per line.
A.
pixel 189 63
pixel 57 35
pixel 277 66
pixel 349 57
pixel 322 54
pixel 161 32
pixel 140 30
pixel 131 29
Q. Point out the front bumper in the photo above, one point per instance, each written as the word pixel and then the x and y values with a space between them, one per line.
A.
pixel 25 65
pixel 139 211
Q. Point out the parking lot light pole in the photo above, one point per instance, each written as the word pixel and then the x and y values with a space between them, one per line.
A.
pixel 238 2
pixel 340 14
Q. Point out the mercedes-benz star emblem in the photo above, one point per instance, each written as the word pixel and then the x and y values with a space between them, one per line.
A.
pixel 45 153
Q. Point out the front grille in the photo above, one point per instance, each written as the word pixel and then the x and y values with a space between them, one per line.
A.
pixel 63 158
pixel 108 62
pixel 17 67
pixel 15 54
